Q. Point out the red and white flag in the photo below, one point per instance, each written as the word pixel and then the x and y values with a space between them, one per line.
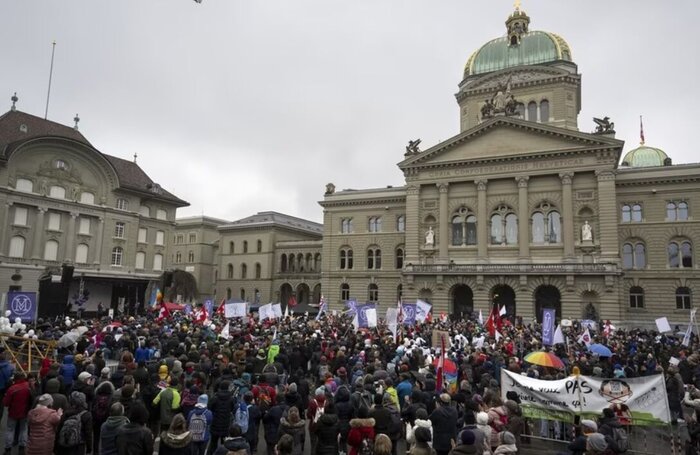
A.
pixel 493 323
pixel 163 313
pixel 439 377
pixel 200 315
pixel 292 302
pixel 222 307
pixel 585 337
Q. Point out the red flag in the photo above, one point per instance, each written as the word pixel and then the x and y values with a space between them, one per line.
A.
pixel 163 313
pixel 201 315
pixel 292 302
pixel 439 381
pixel 494 322
pixel 222 307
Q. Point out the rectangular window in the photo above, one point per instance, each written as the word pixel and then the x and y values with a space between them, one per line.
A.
pixel 193 238
pixel 119 230
pixel 140 260
pixel 160 238
pixel 143 233
pixel 636 300
pixel 54 221
pixel 84 227
pixel 122 204
pixel 20 216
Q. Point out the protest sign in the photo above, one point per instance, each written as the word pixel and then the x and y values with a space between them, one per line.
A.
pixel 437 337
pixel 663 325
pixel 235 310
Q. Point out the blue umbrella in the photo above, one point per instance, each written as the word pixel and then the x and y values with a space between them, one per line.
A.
pixel 601 350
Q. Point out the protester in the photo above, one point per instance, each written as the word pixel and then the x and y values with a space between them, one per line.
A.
pixel 75 431
pixel 444 420
pixel 199 421
pixel 382 445
pixel 18 401
pixel 421 421
pixel 42 422
pixel 177 439
pixel 110 428
pixel 423 439
pixel 466 444
pixel 361 431
pixel 327 431
pixel 235 443
pixel 134 438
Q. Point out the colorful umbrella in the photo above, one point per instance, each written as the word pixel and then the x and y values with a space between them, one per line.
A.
pixel 600 349
pixel 544 359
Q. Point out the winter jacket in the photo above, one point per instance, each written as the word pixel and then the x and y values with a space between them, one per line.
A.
pixel 221 405
pixel 481 441
pixel 271 423
pixel 108 434
pixel 175 444
pixel 327 432
pixel 411 431
pixel 344 410
pixel 318 402
pixel 297 431
pixel 383 420
pixel 421 448
pixel 496 417
pixel 444 420
pixel 68 372
pixel 43 423
pixel 86 429
pixel 208 415
pixel 403 390
pixel 360 429
pixel 6 372
pixel 462 449
pixel 506 449
pixel 169 400
pixel 134 439
pixel 53 387
pixel 239 446
pixel 18 399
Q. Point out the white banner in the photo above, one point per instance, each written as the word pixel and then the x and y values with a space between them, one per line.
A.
pixel 559 400
pixel 235 310
pixel 422 310
pixel 277 310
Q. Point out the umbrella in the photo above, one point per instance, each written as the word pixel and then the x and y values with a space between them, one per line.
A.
pixel 601 350
pixel 68 339
pixel 544 359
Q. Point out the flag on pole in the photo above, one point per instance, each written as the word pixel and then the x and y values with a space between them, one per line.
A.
pixel 222 308
pixel 558 336
pixel 367 315
pixel 439 376
pixel 498 336
pixel 200 315
pixel 608 328
pixel 292 301
pixel 641 130
pixel 286 312
pixel 688 334
pixel 351 307
pixel 322 308
pixel 225 332
pixel 585 337
pixel 409 313
pixel 502 312
pixel 493 322
pixel 163 313
pixel 423 310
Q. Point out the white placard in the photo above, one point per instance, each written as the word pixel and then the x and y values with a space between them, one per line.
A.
pixel 663 325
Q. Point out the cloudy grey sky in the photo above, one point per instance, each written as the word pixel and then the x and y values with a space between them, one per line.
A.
pixel 240 106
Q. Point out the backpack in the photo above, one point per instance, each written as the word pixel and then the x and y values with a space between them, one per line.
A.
pixel 242 416
pixel 198 426
pixel 366 447
pixel 71 433
pixel 101 409
pixel 189 399
pixel 620 442
pixel 363 399
pixel 320 410
pixel 264 400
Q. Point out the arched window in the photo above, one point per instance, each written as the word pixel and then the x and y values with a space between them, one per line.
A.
pixel 626 213
pixel 640 256
pixel 520 109
pixel 190 256
pixel 373 293
pixel 680 254
pixel 161 214
pixel 300 262
pixel 636 297
pixel 17 246
pixel 346 259
pixel 117 256
pixel 228 293
pixel 259 246
pixel 243 294
pixel 682 211
pixel 532 111
pixel 683 299
pixel 57 192
pixel 344 291
pixel 283 263
pixel 24 185
pixel 374 258
pixel 546 225
pixel 229 271
pixel 317 262
pixel 464 227
pixel 231 248
pixel 51 250
pixel 244 271
pixel 538 227
pixel 375 224
pixel 634 256
pixel 544 111
pixel 346 225
pixel 309 262
pixel 504 226
pixel 636 213
pixel 399 258
pixel 178 257
pixel 671 211
pixel 401 223
pixel 81 253
pixel 258 271
pixel 496 229
pixel 144 210
pixel 140 260
pixel 292 263
pixel 157 261
pixel 87 197
pixel 245 246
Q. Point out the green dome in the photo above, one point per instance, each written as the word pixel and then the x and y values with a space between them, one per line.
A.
pixel 535 47
pixel 644 156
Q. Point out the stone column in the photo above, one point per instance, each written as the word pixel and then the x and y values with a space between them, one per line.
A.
pixel 444 221
pixel 482 222
pixel 69 253
pixel 38 233
pixel 7 226
pixel 567 218
pixel 523 218
pixel 413 236
pixel 98 240
pixel 607 233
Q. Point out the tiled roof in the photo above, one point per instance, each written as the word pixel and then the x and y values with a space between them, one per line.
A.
pixel 16 127
pixel 276 219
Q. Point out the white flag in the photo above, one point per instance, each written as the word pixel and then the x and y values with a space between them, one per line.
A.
pixel 276 310
pixel 286 312
pixel 558 336
pixel 371 317
pixel 225 332
pixel 481 318
pixel 686 337
pixel 585 338
pixel 502 311
pixel 498 335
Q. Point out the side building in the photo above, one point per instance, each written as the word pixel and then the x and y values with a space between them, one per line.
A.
pixel 68 209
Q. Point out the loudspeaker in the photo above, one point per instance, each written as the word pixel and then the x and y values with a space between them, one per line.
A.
pixel 67 273
pixel 167 279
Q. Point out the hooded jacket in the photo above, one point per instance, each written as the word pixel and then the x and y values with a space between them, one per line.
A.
pixel 444 420
pixel 344 410
pixel 297 431
pixel 68 372
pixel 271 422
pixel 360 429
pixel 108 434
pixel 134 439
pixel 222 405
pixel 175 444
pixel 237 446
pixel 53 387
pixel 327 432
pixel 18 399
pixel 411 431
pixel 43 423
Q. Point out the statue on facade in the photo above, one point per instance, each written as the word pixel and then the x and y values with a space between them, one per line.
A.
pixel 412 147
pixel 44 187
pixel 330 188
pixel 502 102
pixel 604 125
pixel 586 232
pixel 430 237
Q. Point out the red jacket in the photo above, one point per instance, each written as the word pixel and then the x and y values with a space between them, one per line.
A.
pixel 360 429
pixel 18 399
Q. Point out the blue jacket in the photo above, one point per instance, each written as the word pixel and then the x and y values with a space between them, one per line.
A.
pixel 404 390
pixel 6 371
pixel 68 371
pixel 207 415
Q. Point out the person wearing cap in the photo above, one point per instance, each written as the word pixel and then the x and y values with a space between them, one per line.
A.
pixel 466 444
pixel 444 419
pixel 85 385
pixel 578 445
pixel 506 444
pixel 42 422
pixel 597 444
pixel 18 401
pixel 423 438
pixel 110 428
pixel 77 408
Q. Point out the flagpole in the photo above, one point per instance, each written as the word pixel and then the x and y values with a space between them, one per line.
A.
pixel 48 93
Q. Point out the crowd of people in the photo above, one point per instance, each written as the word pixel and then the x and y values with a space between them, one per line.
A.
pixel 301 385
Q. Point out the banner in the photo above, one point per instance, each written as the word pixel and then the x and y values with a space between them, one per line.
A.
pixel 587 396
pixel 277 310
pixel 352 307
pixel 392 320
pixel 548 317
pixel 209 305
pixel 409 313
pixel 235 310
pixel 367 315
pixel 422 310
pixel 22 305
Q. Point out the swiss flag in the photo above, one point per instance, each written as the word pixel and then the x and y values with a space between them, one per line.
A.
pixel 494 322
pixel 163 313
pixel 201 315
pixel 222 307
pixel 292 302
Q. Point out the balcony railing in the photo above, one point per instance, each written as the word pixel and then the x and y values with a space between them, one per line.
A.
pixel 500 269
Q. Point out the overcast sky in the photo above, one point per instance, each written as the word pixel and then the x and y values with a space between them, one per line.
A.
pixel 241 106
